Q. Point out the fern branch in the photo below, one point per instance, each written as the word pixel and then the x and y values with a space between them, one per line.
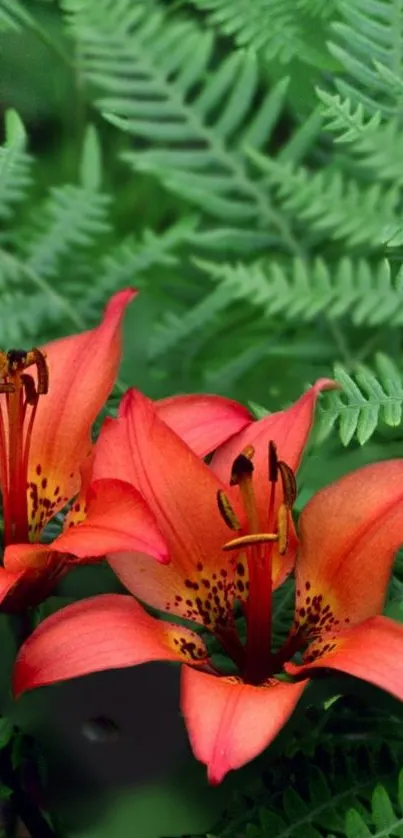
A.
pixel 332 206
pixel 191 121
pixel 15 165
pixel 377 145
pixel 303 289
pixel 370 34
pixel 279 29
pixel 363 402
pixel 72 217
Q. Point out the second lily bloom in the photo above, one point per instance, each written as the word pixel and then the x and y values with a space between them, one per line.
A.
pixel 229 534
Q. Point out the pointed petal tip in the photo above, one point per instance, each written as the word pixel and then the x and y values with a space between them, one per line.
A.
pixel 325 384
pixel 118 302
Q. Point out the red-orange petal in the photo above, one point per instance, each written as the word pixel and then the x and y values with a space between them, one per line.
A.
pixel 9 583
pixel 289 430
pixel 181 491
pixel 105 632
pixel 82 371
pixel 203 421
pixel 349 533
pixel 372 651
pixel 116 518
pixel 229 722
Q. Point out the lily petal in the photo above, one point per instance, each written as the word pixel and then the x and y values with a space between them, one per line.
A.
pixel 105 632
pixel 349 533
pixel 116 518
pixel 82 370
pixel 203 421
pixel 181 492
pixel 371 651
pixel 229 722
pixel 288 429
pixel 22 589
pixel 9 583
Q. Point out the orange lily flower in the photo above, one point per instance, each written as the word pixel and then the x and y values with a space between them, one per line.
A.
pixel 49 400
pixel 232 719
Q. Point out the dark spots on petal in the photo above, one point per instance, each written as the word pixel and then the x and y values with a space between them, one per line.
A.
pixel 307 586
pixel 240 586
pixel 44 482
pixel 240 569
pixel 56 491
pixel 199 566
pixel 38 469
pixel 223 573
pixel 77 507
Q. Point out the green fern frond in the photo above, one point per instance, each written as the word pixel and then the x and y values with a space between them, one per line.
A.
pixel 13 15
pixel 126 263
pixel 326 804
pixel 377 145
pixel 331 205
pixel 363 402
pixel 191 118
pixel 279 29
pixel 175 328
pixel 72 218
pixel 385 819
pixel 15 165
pixel 370 34
pixel 303 290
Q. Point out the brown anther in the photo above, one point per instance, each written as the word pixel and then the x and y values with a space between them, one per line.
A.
pixel 250 540
pixel 282 524
pixel 31 394
pixel 226 511
pixel 17 360
pixel 13 362
pixel 289 483
pixel 39 359
pixel 242 467
pixel 273 462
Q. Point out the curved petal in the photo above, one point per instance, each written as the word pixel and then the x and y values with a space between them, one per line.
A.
pixel 372 651
pixel 82 370
pixel 10 583
pixel 349 533
pixel 181 492
pixel 203 421
pixel 229 722
pixel 22 589
pixel 105 632
pixel 289 430
pixel 116 518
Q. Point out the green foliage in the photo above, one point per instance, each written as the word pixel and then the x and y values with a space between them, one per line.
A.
pixel 279 29
pixel 364 400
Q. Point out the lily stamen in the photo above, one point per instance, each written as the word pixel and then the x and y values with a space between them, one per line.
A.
pixel 249 540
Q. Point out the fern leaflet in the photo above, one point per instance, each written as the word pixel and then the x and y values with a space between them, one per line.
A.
pixel 15 165
pixel 363 401
pixel 279 29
